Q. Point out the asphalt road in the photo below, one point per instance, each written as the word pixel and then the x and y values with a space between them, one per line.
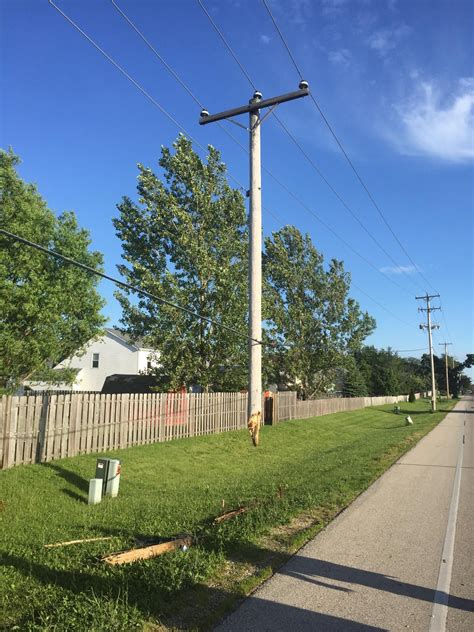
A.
pixel 399 558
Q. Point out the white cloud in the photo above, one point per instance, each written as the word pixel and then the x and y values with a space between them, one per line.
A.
pixel 341 56
pixel 398 270
pixel 385 40
pixel 265 39
pixel 436 126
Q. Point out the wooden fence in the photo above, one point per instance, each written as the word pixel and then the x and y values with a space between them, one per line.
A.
pixel 41 428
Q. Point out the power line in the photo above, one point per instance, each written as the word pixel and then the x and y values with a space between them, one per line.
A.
pixel 144 92
pixel 410 350
pixel 218 31
pixel 338 196
pixel 183 130
pixel 385 309
pixel 123 284
pixel 298 70
pixel 175 75
pixel 231 51
pixel 341 147
pixel 198 102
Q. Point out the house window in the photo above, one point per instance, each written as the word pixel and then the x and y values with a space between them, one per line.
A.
pixel 95 360
pixel 148 365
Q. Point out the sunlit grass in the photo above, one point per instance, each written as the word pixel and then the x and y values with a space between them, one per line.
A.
pixel 173 488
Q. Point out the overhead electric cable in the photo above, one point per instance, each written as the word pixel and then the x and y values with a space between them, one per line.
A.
pixel 410 350
pixel 123 284
pixel 198 102
pixel 341 199
pixel 229 48
pixel 287 131
pixel 349 161
pixel 443 315
pixel 218 31
pixel 143 91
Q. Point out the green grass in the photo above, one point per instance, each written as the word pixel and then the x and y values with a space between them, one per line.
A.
pixel 168 489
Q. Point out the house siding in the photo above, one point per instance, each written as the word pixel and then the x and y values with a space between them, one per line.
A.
pixel 116 356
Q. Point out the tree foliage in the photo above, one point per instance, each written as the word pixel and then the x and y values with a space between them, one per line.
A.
pixel 48 309
pixel 186 241
pixel 310 319
pixel 354 382
pixel 386 373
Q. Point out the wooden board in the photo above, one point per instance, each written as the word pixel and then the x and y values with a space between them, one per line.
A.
pixel 147 552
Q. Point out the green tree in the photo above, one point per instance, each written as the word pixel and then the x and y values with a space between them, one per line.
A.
pixel 310 319
pixel 354 383
pixel 385 373
pixel 186 241
pixel 460 383
pixel 48 309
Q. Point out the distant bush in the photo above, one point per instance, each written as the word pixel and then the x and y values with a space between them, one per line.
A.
pixel 411 396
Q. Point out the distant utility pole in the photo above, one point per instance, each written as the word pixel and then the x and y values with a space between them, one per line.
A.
pixel 428 309
pixel 255 228
pixel 446 364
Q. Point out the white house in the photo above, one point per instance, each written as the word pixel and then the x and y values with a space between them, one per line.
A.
pixel 113 353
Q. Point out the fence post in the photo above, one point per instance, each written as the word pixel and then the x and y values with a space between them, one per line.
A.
pixel 9 428
pixel 73 442
pixel 43 422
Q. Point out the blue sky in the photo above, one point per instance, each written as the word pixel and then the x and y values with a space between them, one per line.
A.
pixel 394 78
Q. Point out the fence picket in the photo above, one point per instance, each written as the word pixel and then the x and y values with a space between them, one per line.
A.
pixel 40 428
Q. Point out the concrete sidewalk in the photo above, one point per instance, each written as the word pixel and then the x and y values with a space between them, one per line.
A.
pixel 385 563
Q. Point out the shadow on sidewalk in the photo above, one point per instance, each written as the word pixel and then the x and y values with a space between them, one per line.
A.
pixel 305 568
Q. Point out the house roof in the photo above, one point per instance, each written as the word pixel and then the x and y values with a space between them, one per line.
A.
pixel 137 343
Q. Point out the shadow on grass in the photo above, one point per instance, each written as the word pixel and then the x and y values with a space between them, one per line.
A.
pixel 405 411
pixel 74 495
pixel 402 425
pixel 71 477
pixel 151 604
pixel 141 582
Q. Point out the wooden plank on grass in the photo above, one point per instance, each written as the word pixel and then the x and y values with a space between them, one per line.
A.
pixel 230 514
pixel 146 552
pixel 69 542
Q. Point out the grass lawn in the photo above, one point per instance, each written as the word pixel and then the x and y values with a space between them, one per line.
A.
pixel 303 473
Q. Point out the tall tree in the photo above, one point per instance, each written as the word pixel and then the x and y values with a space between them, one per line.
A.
pixel 48 309
pixel 186 241
pixel 354 383
pixel 310 318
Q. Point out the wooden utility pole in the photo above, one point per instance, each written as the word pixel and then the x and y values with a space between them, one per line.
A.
pixel 446 364
pixel 255 229
pixel 428 309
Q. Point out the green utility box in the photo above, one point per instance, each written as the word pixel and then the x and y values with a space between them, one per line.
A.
pixel 108 470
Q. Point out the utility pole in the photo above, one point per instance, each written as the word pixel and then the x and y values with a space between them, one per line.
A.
pixel 428 309
pixel 446 364
pixel 255 229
